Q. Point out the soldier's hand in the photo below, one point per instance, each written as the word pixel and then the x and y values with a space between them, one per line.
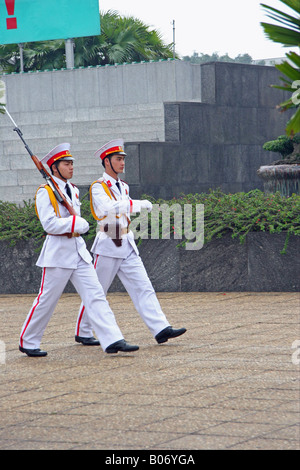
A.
pixel 145 204
pixel 81 225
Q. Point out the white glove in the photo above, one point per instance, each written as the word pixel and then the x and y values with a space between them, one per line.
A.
pixel 145 204
pixel 81 225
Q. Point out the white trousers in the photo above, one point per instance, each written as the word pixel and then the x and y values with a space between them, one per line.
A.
pixel 85 281
pixel 133 275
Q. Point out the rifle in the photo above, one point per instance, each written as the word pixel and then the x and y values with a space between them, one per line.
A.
pixel 60 197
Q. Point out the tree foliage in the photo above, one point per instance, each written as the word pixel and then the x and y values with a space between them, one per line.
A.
pixel 237 214
pixel 283 145
pixel 288 34
pixel 201 58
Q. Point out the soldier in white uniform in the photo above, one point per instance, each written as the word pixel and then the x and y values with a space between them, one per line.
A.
pixel 64 257
pixel 114 248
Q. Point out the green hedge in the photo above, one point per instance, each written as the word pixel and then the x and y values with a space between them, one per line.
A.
pixel 237 213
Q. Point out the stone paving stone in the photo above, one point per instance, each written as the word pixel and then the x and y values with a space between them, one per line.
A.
pixel 228 383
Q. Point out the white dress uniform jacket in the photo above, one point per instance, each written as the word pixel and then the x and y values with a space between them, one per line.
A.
pixel 110 211
pixel 61 252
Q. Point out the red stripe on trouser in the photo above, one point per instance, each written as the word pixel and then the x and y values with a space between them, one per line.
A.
pixel 83 307
pixel 96 261
pixel 34 307
pixel 79 320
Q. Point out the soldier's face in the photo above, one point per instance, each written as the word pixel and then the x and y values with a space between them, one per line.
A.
pixel 65 168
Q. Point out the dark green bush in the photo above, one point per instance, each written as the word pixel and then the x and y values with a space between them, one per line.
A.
pixel 241 213
pixel 238 214
pixel 283 145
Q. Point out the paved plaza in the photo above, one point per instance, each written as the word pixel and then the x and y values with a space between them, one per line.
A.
pixel 231 382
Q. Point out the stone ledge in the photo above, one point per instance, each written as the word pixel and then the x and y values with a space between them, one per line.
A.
pixel 221 265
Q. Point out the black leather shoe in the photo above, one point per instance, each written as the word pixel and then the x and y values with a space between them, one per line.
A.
pixel 168 333
pixel 33 352
pixel 121 346
pixel 87 341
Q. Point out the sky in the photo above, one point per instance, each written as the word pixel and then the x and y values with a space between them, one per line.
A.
pixel 207 26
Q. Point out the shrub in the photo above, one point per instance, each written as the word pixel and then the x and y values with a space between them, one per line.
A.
pixel 241 213
pixel 238 214
pixel 283 145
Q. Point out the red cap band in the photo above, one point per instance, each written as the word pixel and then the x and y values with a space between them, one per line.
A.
pixel 111 150
pixel 58 156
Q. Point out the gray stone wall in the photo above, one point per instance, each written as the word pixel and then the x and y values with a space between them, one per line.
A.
pixel 221 265
pixel 86 107
pixel 202 124
pixel 216 143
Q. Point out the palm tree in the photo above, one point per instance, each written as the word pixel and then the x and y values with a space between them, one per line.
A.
pixel 127 39
pixel 288 34
pixel 122 39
